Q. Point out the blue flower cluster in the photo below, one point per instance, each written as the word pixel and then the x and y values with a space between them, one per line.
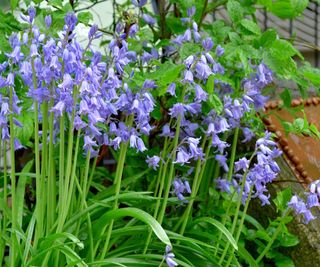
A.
pixel 78 83
pixel 302 207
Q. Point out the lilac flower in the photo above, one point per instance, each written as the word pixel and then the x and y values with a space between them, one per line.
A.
pixel 222 159
pixel 201 95
pixel 177 110
pixel 188 77
pixel 89 143
pixel 139 3
pixel 248 135
pixel 148 19
pixel 191 11
pixel 219 51
pixel 70 20
pixel 181 187
pixel 203 71
pixel 153 162
pixel 223 185
pixel 300 207
pixel 172 89
pixel 48 21
pixel 221 145
pixel 188 61
pixel 313 200
pixel 207 44
pixel 133 30
pixel 149 84
pixel 241 164
pixel 182 156
pixel 93 32
pixel 169 256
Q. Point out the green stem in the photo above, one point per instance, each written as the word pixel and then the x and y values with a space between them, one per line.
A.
pixel 273 238
pixel 39 189
pixel 13 182
pixel 195 185
pixel 233 153
pixel 51 185
pixel 224 220
pixel 69 173
pixel 44 157
pixel 61 169
pixel 235 219
pixel 160 185
pixel 171 172
pixel 244 213
pixel 117 183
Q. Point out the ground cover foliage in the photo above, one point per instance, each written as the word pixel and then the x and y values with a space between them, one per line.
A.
pixel 148 150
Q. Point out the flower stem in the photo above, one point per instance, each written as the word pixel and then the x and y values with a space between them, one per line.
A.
pixel 195 186
pixel 171 172
pixel 273 238
pixel 235 219
pixel 51 197
pixel 44 158
pixel 160 185
pixel 233 153
pixel 117 183
pixel 13 183
pixel 244 213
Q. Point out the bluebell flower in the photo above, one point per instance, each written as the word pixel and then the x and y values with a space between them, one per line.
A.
pixel 182 156
pixel 48 21
pixel 207 44
pixel 222 159
pixel 223 185
pixel 191 11
pixel 172 89
pixel 169 256
pixel 189 61
pixel 139 3
pixel 133 30
pixel 180 188
pixel 203 71
pixel 312 200
pixel 148 19
pixel 153 162
pixel 219 51
pixel 248 134
pixel 201 95
pixel 241 164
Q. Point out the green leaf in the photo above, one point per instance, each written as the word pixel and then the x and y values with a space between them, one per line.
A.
pixel 14 4
pixel 282 49
pixel 287 9
pixel 25 132
pixel 267 38
pixel 221 228
pixel 283 261
pixel 286 97
pixel 312 74
pixel 165 74
pixel 250 26
pixel 299 124
pixel 216 103
pixel 188 49
pixel 139 214
pixel 244 254
pixel 235 11
pixel 282 199
pixel 288 240
pixel 21 191
pixel 85 17
pixel 210 84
